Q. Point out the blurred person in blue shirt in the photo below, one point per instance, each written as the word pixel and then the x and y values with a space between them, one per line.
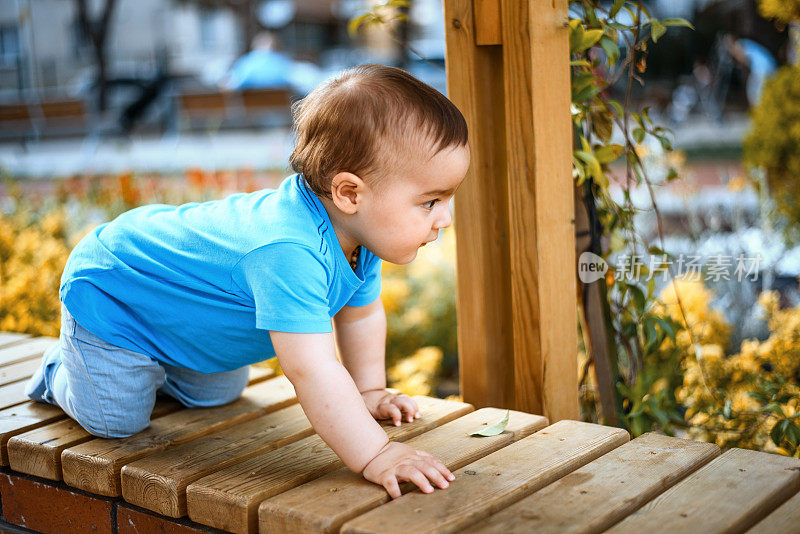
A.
pixel 262 67
pixel 758 61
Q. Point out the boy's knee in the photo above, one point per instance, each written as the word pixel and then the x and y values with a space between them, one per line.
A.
pixel 115 431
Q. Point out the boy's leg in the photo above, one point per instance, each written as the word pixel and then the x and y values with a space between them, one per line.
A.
pixel 109 390
pixel 200 390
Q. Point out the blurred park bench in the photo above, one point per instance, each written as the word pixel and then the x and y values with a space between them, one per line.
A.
pixel 189 110
pixel 233 109
pixel 34 120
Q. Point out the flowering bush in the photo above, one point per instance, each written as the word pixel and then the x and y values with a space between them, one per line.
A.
pixel 750 399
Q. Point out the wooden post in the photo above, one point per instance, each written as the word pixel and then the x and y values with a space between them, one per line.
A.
pixel 514 214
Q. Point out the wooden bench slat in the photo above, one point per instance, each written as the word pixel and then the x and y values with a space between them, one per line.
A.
pixel 13 394
pixel 495 481
pixel 324 504
pixel 605 491
pixel 30 348
pixel 229 498
pixel 158 482
pixel 10 338
pixel 729 494
pixel 18 371
pixel 259 374
pixel 38 452
pixel 21 419
pixel 785 519
pixel 95 466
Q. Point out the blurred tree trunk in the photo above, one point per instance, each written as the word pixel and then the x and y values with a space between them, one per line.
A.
pixel 95 29
pixel 403 25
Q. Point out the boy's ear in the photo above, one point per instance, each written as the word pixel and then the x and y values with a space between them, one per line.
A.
pixel 347 192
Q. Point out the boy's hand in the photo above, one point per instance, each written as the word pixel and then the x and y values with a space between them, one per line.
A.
pixel 384 404
pixel 397 462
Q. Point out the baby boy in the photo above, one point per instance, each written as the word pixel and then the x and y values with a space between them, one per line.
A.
pixel 181 299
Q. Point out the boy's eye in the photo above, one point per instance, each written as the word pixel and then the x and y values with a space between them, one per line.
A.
pixel 429 205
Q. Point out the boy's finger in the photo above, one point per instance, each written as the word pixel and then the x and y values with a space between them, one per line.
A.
pixel 406 404
pixel 419 478
pixel 435 476
pixel 392 487
pixel 394 413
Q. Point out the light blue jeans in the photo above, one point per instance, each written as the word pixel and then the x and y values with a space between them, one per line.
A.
pixel 110 391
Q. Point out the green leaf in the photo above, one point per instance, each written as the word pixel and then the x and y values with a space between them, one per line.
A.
pixel 778 432
pixel 650 335
pixel 592 165
pixel 792 433
pixel 665 325
pixel 610 48
pixel 638 297
pixel 590 38
pixel 657 30
pixel 579 63
pixel 494 429
pixel 615 8
pixel 775 408
pixel 608 153
pixel 677 22
pixel 587 93
pixel 355 23
pixel 638 135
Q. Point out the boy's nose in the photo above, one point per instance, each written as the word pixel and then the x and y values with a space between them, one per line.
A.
pixel 445 218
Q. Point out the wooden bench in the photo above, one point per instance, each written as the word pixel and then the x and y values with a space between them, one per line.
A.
pixel 249 107
pixel 256 465
pixel 43 119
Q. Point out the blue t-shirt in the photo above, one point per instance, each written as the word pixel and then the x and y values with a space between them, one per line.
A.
pixel 200 285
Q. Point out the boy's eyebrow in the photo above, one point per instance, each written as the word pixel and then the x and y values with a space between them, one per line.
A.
pixel 440 192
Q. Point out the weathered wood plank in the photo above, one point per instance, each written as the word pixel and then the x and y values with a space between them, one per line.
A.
pixel 13 394
pixel 30 348
pixel 18 371
pixel 784 520
pixel 481 215
pixel 23 418
pixel 495 481
pixel 10 338
pixel 229 498
pixel 488 28
pixel 158 482
pixel 605 491
pixel 30 415
pixel 541 222
pixel 95 466
pixel 325 504
pixel 259 374
pixel 730 494
pixel 38 452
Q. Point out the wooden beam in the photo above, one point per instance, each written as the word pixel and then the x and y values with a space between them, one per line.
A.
pixel 488 28
pixel 541 221
pixel 474 82
pixel 514 215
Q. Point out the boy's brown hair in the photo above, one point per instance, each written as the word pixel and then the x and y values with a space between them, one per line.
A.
pixel 356 121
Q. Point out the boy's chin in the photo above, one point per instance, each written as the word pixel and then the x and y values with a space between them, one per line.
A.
pixel 404 260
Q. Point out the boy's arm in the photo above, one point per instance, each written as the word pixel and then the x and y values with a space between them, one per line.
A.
pixel 329 397
pixel 360 333
pixel 361 336
pixel 332 403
